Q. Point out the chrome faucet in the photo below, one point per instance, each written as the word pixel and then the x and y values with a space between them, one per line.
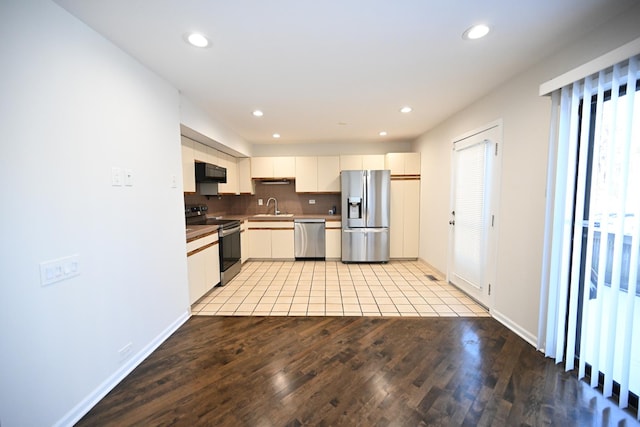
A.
pixel 276 211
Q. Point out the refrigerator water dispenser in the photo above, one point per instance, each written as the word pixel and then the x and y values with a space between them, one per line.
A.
pixel 355 208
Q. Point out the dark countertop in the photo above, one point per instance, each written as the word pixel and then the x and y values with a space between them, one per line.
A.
pixel 197 231
pixel 253 217
pixel 326 217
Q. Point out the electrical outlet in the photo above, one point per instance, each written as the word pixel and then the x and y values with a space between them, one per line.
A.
pixel 312 201
pixel 128 177
pixel 59 269
pixel 260 202
pixel 125 352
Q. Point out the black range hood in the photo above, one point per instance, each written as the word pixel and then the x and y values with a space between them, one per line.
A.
pixel 206 172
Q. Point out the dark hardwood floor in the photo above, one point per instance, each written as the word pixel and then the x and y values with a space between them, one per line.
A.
pixel 350 371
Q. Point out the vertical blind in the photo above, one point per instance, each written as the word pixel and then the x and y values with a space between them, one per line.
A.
pixel 592 241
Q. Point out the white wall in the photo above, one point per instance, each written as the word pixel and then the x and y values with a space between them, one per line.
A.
pixel 73 106
pixel 524 165
pixel 198 120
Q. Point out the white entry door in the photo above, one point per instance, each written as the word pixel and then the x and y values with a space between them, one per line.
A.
pixel 473 220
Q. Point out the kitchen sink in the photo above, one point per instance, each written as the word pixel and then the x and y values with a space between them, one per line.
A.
pixel 289 215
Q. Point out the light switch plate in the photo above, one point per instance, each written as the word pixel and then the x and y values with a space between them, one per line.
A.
pixel 116 176
pixel 59 269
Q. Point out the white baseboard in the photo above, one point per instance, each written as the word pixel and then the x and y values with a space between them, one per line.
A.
pixel 513 326
pixel 517 329
pixel 443 275
pixel 81 409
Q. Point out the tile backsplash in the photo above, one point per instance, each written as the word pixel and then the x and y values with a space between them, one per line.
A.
pixel 288 201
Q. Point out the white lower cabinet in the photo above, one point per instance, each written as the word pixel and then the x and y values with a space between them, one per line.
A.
pixel 282 244
pixel 197 276
pixel 404 227
pixel 259 243
pixel 271 240
pixel 203 262
pixel 333 235
pixel 244 242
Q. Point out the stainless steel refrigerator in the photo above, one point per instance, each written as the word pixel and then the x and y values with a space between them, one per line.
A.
pixel 365 215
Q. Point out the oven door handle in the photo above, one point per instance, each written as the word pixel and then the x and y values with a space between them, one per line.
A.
pixel 225 233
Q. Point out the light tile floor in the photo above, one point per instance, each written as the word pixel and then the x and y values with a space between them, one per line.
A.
pixel 331 288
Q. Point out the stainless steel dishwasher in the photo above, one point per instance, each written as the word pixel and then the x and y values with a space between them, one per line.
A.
pixel 309 238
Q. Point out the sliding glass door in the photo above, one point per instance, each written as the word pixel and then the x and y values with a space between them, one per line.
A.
pixel 606 244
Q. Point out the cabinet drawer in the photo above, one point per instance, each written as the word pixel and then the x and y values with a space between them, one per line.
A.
pixel 260 225
pixel 204 241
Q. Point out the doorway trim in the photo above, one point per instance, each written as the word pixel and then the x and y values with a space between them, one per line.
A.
pixel 494 188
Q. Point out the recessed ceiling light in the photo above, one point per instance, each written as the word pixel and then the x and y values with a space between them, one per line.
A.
pixel 383 133
pixel 258 113
pixel 197 40
pixel 406 109
pixel 476 32
pixel 276 135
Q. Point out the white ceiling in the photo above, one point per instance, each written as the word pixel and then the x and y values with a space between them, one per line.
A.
pixel 313 64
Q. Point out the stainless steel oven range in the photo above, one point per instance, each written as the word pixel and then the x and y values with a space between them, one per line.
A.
pixel 228 240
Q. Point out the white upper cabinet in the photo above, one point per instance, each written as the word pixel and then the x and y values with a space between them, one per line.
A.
pixel 245 185
pixel 261 167
pixel 318 174
pixel 373 161
pixel 196 152
pixel 360 162
pixel 284 167
pixel 228 162
pixel 201 153
pixel 213 155
pixel 188 166
pixel 403 163
pixel 329 174
pixel 273 167
pixel 306 174
pixel 350 163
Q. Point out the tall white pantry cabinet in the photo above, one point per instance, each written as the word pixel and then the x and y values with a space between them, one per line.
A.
pixel 404 227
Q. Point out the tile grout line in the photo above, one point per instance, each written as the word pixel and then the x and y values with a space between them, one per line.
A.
pixel 406 277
